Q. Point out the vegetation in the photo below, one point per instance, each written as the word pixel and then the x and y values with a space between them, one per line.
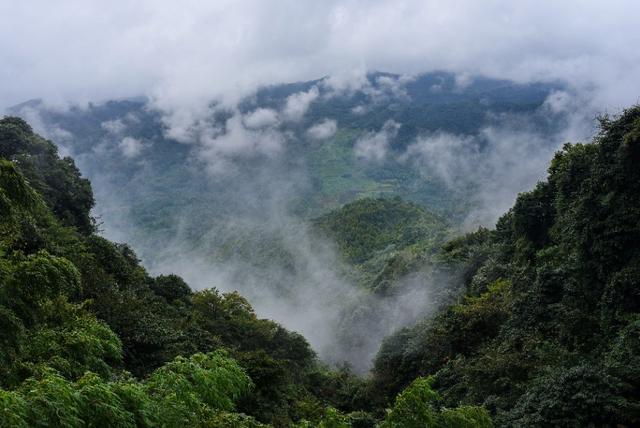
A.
pixel 417 406
pixel 80 313
pixel 384 238
pixel 547 331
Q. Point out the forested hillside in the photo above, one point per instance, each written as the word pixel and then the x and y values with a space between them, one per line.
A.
pixel 90 339
pixel 548 332
pixel 384 238
pixel 545 333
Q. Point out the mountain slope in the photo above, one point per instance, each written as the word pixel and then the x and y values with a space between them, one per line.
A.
pixel 72 302
pixel 547 333
pixel 81 317
pixel 384 239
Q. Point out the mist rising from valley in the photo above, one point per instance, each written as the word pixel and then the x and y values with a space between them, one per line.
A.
pixel 225 197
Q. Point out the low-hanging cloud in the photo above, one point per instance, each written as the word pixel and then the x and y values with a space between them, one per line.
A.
pixel 196 59
pixel 323 129
pixel 260 118
pixel 298 104
pixel 130 147
pixel 218 148
pixel 507 157
pixel 374 146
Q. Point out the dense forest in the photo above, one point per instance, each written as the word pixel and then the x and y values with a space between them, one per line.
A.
pixel 539 328
pixel 547 333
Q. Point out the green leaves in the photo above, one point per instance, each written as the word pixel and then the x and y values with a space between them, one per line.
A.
pixel 185 392
pixel 13 410
pixel 42 277
pixel 418 406
pixel 203 382
pixel 72 344
pixel 57 180
pixel 547 330
pixel 369 226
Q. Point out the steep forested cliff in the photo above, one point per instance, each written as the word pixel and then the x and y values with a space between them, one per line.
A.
pixel 548 332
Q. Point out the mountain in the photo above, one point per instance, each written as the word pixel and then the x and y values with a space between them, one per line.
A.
pixel 227 196
pixel 533 322
pixel 88 336
pixel 132 144
pixel 384 238
pixel 232 197
pixel 547 333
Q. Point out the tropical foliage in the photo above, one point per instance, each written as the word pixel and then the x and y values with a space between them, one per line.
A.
pixel 545 333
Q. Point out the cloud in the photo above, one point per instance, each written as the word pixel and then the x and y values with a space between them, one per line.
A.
pixel 347 81
pixel 115 127
pixel 220 148
pixel 193 53
pixel 359 110
pixel 197 59
pixel 463 80
pixel 130 147
pixel 489 169
pixel 260 118
pixel 323 130
pixel 447 156
pixel 373 146
pixel 393 85
pixel 560 102
pixel 298 104
pixel 357 80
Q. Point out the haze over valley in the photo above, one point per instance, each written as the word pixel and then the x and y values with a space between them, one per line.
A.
pixel 346 205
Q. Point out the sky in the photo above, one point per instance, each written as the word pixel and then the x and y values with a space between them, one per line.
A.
pixel 184 54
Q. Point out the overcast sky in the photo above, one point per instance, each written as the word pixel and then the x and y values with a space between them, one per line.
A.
pixel 184 52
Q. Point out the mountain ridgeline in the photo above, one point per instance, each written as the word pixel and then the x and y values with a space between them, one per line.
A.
pixel 533 323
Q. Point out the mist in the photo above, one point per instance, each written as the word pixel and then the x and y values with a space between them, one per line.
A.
pixel 261 247
pixel 186 55
pixel 231 195
pixel 506 157
pixel 243 224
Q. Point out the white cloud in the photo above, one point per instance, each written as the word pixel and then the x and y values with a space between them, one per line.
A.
pixel 359 110
pixel 463 80
pixel 197 51
pixel 394 86
pixel 260 118
pixel 298 104
pixel 219 149
pixel 373 146
pixel 193 57
pixel 560 102
pixel 346 81
pixel 446 156
pixel 130 147
pixel 491 167
pixel 323 130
